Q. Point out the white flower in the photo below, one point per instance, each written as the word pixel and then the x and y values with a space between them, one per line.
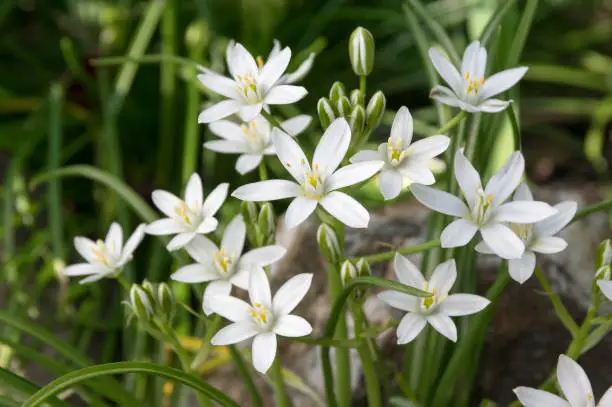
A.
pixel 537 238
pixel 485 210
pixel 250 87
pixel 226 266
pixel 606 288
pixel 435 310
pixel 575 385
pixel 104 258
pixel 469 90
pixel 404 162
pixel 251 140
pixel 187 218
pixel 317 184
pixel 299 73
pixel 264 318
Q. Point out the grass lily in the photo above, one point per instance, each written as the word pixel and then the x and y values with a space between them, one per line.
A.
pixel 299 73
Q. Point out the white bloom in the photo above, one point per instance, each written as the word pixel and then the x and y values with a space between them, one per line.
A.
pixel 317 184
pixel 264 318
pixel 435 310
pixel 225 266
pixel 251 140
pixel 404 162
pixel 468 89
pixel 251 85
pixel 575 385
pixel 299 73
pixel 104 258
pixel 537 238
pixel 188 217
pixel 485 210
pixel 606 288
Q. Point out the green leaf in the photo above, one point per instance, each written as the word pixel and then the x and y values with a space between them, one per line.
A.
pixel 85 374
pixel 566 76
pixel 12 383
pixel 522 32
pixel 493 23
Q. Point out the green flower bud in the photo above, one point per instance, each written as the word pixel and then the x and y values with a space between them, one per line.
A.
pixel 361 51
pixel 348 271
pixel 344 106
pixel 166 301
pixel 363 268
pixel 604 254
pixel 249 212
pixel 197 34
pixel 141 303
pixel 375 110
pixel 603 273
pixel 336 92
pixel 267 221
pixel 328 243
pixel 357 120
pixel 357 97
pixel 326 112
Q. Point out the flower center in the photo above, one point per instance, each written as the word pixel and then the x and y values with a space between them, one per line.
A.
pixel 313 183
pixel 260 315
pixel 224 262
pixel 102 253
pixel 429 303
pixel 480 212
pixel 523 231
pixel 248 87
pixel 395 151
pixel 186 215
pixel 473 84
pixel 257 140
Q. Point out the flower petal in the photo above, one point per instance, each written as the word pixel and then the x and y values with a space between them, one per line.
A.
pixel 522 193
pixel 284 94
pixel 234 333
pixel 300 72
pixel 444 325
pixel 501 82
pixel 249 112
pixel 549 245
pixel 467 178
pixel 215 199
pixel 439 201
pixel 114 238
pixel 194 195
pixel 428 147
pixel 521 269
pixel 86 248
pixel 299 210
pixel 418 173
pixel 259 288
pixel 132 243
pixel 290 294
pixel 241 62
pixel 96 277
pixel 292 326
pixel 574 382
pixel 179 241
pixel 227 130
pixel 263 256
pixel 493 105
pixel 443 277
pixel 241 278
pixel 195 273
pixel 523 212
pixel 483 248
pixel 83 269
pixel 233 236
pixel 446 69
pixel 553 224
pixel 444 95
pixel 390 183
pixel 274 68
pixel 219 111
pixel 220 84
pixel 166 226
pixel 406 272
pixel 402 127
pixel 209 224
pixel 409 327
pixel 290 154
pixel 201 249
pixel 346 209
pixel 401 301
pixel 333 146
pixel 606 399
pixel 352 174
pixel 217 290
pixel 264 351
pixel 458 233
pixel 297 124
pixel 469 63
pixel 457 305
pixel 606 288
pixel 269 190
pixel 227 146
pixel 365 155
pixel 166 202
pixel 505 181
pixel 247 163
pixel 539 398
pixel 503 241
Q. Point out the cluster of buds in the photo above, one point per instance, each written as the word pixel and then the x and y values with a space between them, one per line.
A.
pixel 329 245
pixel 351 270
pixel 148 301
pixel 260 223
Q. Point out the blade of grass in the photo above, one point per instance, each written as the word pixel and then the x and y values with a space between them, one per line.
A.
pixel 56 222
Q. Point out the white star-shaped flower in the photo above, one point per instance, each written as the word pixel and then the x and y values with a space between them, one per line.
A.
pixel 316 184
pixel 104 257
pixel 251 140
pixel 485 210
pixel 537 238
pixel 435 310
pixel 299 73
pixel 469 90
pixel 264 318
pixel 225 266
pixel 575 385
pixel 250 87
pixel 188 217
pixel 404 162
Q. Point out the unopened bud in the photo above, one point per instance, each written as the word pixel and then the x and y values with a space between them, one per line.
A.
pixel 141 303
pixel 348 271
pixel 361 51
pixel 375 110
pixel 267 221
pixel 197 34
pixel 344 106
pixel 603 273
pixel 166 301
pixel 336 92
pixel 148 287
pixel 328 243
pixel 249 212
pixel 357 97
pixel 604 254
pixel 363 268
pixel 357 120
pixel 326 112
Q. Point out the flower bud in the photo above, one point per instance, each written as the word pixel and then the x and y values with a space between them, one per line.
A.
pixel 166 301
pixel 357 97
pixel 249 212
pixel 141 303
pixel 328 243
pixel 344 106
pixel 336 92
pixel 267 222
pixel 375 110
pixel 363 268
pixel 197 34
pixel 604 254
pixel 348 271
pixel 326 112
pixel 357 120
pixel 361 51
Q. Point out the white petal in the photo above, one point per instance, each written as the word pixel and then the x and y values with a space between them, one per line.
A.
pixel 402 127
pixel 483 247
pixel 446 69
pixel 406 272
pixel 167 226
pixel 428 147
pixel 290 294
pixel 267 190
pixel 276 48
pixel 549 245
pixel 215 199
pixel 523 211
pixel 290 154
pixel 201 249
pixel 274 68
pixel 259 288
pixel 284 94
pixel 86 248
pixel 114 238
pixel 457 305
pixel 469 64
pixel 390 182
pixel 241 278
pixel 179 241
pixel 346 209
pixel 209 224
pixel 297 124
pixel 228 52
pixel 299 210
pixel 220 84
pixel 225 305
pixel 409 327
pixel 227 146
pixel 418 173
pixel 606 288
pixel 263 256
pixel 503 241
pixel 352 174
pixel 219 111
pixel 333 146
pixel 292 326
pixel 96 277
pixel 538 398
pixel 401 301
pixel 443 277
pixel 300 72
pixel 521 269
pixel 249 112
pixel 574 382
pixel 84 269
pixel 458 233
pixel 247 163
pixel 365 155
pixel 553 224
pixel 522 193
pixel 501 82
pixel 195 273
pixel 444 325
pixel 241 62
pixel 505 181
pixel 131 244
pixel 234 333
pixel 165 202
pixel 439 201
pixel 444 95
pixel 227 130
pixel 467 177
pixel 606 399
pixel 233 237
pixel 493 105
pixel 264 351
pixel 194 196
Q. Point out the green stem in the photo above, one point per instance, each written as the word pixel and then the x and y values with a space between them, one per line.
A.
pixel 367 364
pixel 282 399
pixel 589 210
pixel 263 171
pixel 243 371
pixel 56 99
pixel 560 309
pixel 452 122
pixel 362 85
pixel 273 121
pixel 380 257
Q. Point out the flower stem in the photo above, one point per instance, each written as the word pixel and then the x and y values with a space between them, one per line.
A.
pixel 379 257
pixel 362 84
pixel 589 210
pixel 560 309
pixel 452 122
pixel 273 121
pixel 367 363
pixel 282 399
pixel 211 329
pixel 243 371
pixel 263 171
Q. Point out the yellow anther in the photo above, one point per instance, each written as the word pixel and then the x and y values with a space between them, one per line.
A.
pixel 260 61
pixel 316 167
pixel 429 301
pixel 467 76
pixel 258 312
pixel 302 161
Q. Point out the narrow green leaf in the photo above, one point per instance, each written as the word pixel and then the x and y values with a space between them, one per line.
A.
pixel 493 23
pixel 12 383
pixel 569 76
pixel 56 222
pixel 522 32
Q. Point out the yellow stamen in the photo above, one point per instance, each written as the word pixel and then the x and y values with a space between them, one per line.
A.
pixel 260 61
pixel 258 312
pixel 467 76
